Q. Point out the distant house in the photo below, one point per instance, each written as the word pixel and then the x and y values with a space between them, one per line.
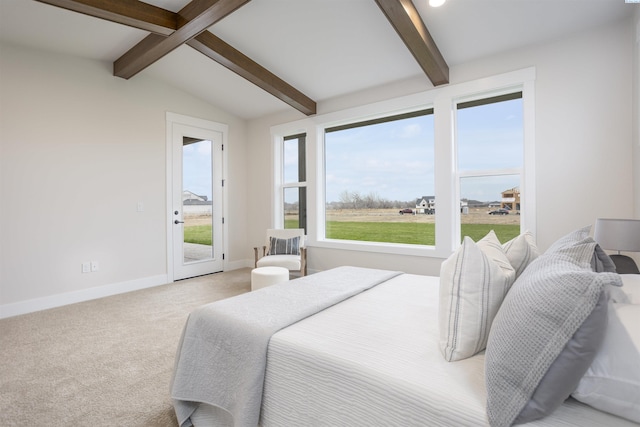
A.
pixel 194 204
pixel 464 207
pixel 190 198
pixel 427 205
pixel 511 199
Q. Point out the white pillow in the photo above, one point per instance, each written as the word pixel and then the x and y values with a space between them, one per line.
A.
pixel 521 251
pixel 473 283
pixel 612 383
pixel 631 287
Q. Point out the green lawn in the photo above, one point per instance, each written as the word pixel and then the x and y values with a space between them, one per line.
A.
pixel 416 234
pixel 505 232
pixel 411 233
pixel 200 234
pixel 389 232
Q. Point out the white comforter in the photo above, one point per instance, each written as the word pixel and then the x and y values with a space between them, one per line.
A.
pixel 374 360
pixel 222 354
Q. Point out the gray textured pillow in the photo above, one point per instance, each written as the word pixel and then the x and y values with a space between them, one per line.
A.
pixel 602 262
pixel 567 370
pixel 284 246
pixel 569 240
pixel 540 315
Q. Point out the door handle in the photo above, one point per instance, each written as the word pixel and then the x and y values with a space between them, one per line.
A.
pixel 178 222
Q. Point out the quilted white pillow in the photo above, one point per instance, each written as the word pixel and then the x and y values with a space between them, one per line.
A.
pixel 612 383
pixel 521 251
pixel 473 283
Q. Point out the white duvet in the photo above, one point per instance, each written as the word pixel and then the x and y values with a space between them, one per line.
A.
pixel 374 360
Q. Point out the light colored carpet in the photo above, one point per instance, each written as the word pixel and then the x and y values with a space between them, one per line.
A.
pixel 106 362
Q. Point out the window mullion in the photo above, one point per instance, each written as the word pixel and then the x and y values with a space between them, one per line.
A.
pixel 489 172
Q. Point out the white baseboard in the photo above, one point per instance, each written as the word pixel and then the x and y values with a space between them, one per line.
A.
pixel 58 300
pixel 44 303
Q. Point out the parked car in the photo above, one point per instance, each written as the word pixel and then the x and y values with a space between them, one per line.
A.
pixel 500 211
pixel 406 211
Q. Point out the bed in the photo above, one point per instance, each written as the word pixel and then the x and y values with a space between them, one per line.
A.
pixel 371 359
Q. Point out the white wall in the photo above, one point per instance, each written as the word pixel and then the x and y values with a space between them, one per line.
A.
pixel 78 149
pixel 636 119
pixel 636 113
pixel 583 127
pixel 583 139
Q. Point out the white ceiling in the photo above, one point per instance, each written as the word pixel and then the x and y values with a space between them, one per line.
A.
pixel 324 48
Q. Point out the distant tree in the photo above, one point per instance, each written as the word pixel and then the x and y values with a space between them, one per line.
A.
pixel 345 199
pixel 356 200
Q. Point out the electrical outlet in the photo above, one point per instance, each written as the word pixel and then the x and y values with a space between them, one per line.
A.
pixel 86 267
pixel 95 266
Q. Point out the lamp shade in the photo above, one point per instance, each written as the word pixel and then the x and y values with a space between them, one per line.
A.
pixel 618 234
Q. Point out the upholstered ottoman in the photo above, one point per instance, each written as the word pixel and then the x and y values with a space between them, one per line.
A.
pixel 267 276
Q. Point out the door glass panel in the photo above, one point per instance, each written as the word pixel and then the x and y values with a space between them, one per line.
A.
pixel 197 203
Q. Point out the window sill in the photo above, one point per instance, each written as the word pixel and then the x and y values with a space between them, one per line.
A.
pixel 379 247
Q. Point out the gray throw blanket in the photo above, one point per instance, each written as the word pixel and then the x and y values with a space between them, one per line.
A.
pixel 222 355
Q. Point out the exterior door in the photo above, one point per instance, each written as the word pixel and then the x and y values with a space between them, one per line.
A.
pixel 196 209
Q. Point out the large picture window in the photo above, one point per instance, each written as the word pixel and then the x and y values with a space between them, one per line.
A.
pixel 412 175
pixel 378 176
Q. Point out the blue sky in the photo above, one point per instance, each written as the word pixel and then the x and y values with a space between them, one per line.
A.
pixel 196 168
pixel 490 136
pixel 395 160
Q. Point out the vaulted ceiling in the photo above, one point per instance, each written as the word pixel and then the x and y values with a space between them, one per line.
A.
pixel 264 56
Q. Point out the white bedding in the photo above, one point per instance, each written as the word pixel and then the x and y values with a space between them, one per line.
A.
pixel 374 360
pixel 222 354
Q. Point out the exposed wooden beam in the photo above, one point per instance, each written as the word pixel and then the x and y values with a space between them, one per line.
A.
pixel 161 23
pixel 236 61
pixel 196 18
pixel 406 20
pixel 133 13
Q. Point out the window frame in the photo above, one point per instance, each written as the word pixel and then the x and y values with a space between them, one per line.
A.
pixel 484 173
pixel 401 248
pixel 443 100
pixel 278 183
pixel 299 183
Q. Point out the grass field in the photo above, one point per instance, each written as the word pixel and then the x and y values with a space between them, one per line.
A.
pixel 383 225
pixel 414 234
pixel 386 225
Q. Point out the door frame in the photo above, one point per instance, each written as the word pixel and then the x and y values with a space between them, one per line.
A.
pixel 171 119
